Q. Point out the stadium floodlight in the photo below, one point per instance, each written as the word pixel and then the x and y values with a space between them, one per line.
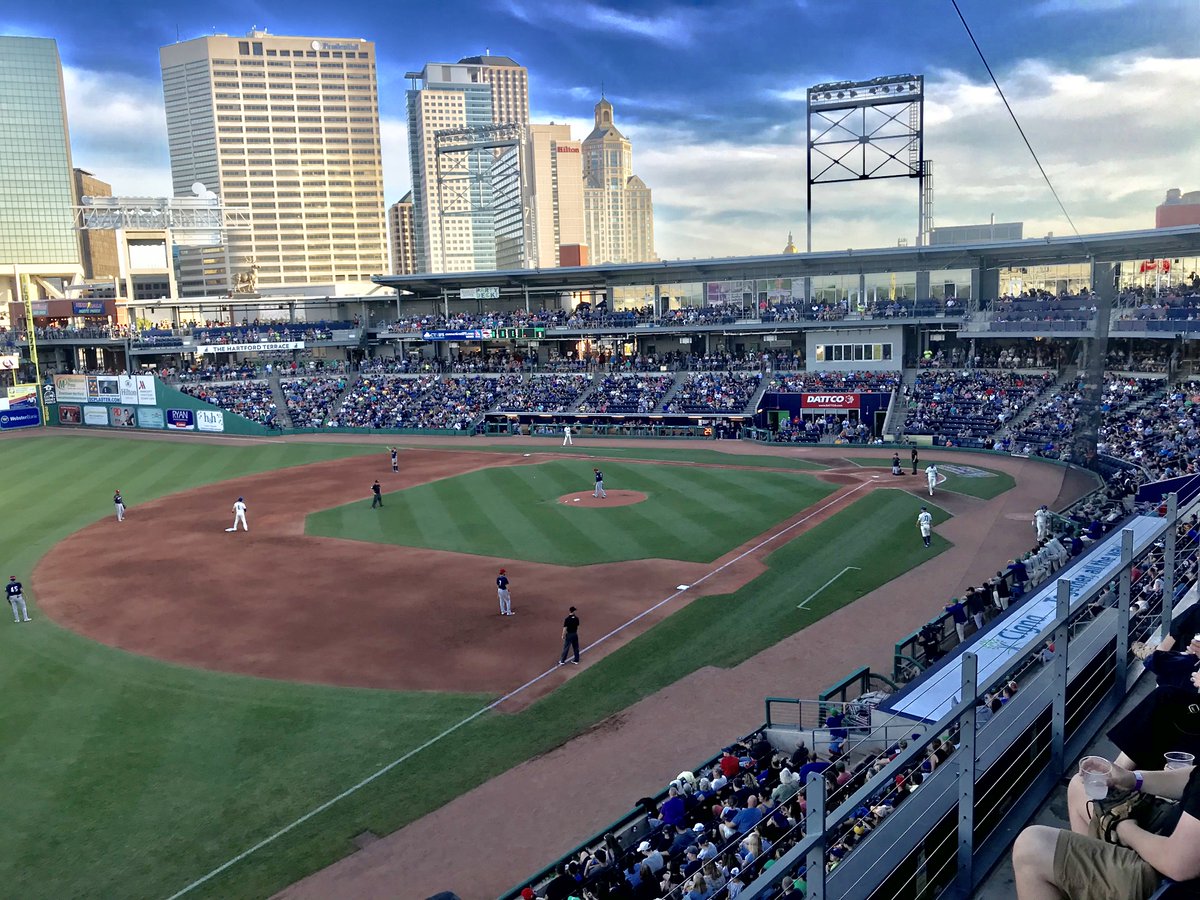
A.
pixel 864 130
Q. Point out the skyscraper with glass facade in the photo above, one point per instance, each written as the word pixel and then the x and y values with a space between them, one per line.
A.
pixel 37 217
pixel 456 231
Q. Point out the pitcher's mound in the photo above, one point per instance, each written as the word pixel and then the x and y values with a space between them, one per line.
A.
pixel 614 498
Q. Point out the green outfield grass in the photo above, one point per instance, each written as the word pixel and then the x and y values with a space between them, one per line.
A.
pixel 985 488
pixel 688 453
pixel 691 513
pixel 127 777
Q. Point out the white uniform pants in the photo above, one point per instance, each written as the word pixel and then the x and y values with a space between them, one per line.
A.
pixel 567 438
pixel 505 602
pixel 120 511
pixel 932 479
pixel 17 602
pixel 599 491
pixel 240 517
pixel 1043 527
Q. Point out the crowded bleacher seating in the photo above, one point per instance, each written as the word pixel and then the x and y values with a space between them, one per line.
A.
pixel 627 394
pixel 863 382
pixel 427 401
pixel 545 393
pixel 252 400
pixel 966 407
pixel 725 392
pixel 309 399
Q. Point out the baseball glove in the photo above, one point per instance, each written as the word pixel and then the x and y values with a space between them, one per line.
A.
pixel 1115 808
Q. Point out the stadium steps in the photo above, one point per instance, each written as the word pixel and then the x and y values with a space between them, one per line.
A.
pixel 680 378
pixel 1014 424
pixel 498 406
pixel 336 406
pixel 756 397
pixel 281 408
pixel 585 393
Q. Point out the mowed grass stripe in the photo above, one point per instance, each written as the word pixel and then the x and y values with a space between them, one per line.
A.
pixel 691 513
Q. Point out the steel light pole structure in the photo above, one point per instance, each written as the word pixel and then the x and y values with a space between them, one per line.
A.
pixel 867 130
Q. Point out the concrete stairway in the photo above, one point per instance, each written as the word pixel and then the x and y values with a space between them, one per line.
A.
pixel 282 417
pixel 680 377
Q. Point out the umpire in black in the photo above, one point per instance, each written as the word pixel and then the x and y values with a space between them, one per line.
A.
pixel 377 500
pixel 570 637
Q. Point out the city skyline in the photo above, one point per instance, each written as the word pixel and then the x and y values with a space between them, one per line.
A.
pixel 717 114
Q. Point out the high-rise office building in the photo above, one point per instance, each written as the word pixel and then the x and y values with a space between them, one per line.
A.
pixel 554 175
pixel 618 212
pixel 400 233
pixel 286 128
pixel 98 248
pixel 455 224
pixel 37 217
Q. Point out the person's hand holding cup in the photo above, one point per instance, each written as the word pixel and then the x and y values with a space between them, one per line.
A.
pixel 1096 773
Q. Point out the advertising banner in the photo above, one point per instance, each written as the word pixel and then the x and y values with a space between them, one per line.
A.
pixel 145 390
pixel 122 417
pixel 22 395
pixel 69 414
pixel 40 308
pixel 181 420
pixel 8 362
pixel 21 417
pixel 48 395
pixel 127 385
pixel 71 388
pixel 250 348
pixel 210 420
pixel 104 388
pixel 829 401
pixel 88 308
pixel 95 415
pixel 150 418
pixel 473 334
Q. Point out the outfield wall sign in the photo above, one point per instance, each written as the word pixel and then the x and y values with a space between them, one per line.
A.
pixel 210 420
pixel 1006 639
pixel 830 401
pixel 265 347
pixel 20 417
pixel 181 420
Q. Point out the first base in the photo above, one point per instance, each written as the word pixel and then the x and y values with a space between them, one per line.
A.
pixel 682 587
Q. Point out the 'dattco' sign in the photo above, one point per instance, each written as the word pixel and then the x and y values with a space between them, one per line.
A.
pixel 829 401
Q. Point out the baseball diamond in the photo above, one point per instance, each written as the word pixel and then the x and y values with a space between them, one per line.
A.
pixel 316 618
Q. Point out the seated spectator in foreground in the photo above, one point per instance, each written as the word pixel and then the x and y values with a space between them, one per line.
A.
pixel 1102 856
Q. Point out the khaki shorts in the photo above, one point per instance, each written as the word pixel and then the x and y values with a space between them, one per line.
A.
pixel 1089 869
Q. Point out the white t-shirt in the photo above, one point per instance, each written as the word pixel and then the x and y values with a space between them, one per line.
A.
pixel 239 508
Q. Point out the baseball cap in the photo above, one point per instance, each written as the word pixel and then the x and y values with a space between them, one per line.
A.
pixel 643 846
pixel 697 828
pixel 527 894
pixel 502 571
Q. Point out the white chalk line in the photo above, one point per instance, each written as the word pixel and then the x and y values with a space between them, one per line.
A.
pixel 804 605
pixel 379 773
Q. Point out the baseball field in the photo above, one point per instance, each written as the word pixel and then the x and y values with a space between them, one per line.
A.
pixel 187 702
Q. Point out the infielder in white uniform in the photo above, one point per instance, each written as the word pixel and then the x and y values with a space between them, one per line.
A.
pixel 931 474
pixel 239 515
pixel 925 523
pixel 1041 521
pixel 567 435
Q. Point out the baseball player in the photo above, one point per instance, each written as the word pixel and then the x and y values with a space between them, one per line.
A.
pixel 567 435
pixel 896 470
pixel 119 503
pixel 502 592
pixel 239 515
pixel 599 491
pixel 395 460
pixel 931 474
pixel 376 491
pixel 1041 521
pixel 925 523
pixel 16 599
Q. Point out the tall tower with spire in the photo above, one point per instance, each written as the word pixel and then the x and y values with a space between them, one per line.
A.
pixel 618 209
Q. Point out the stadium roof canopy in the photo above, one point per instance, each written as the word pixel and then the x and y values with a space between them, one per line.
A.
pixel 1112 247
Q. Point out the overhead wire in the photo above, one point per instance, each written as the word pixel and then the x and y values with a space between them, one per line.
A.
pixel 1016 121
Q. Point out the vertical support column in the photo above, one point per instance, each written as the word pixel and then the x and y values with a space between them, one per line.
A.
pixel 1058 723
pixel 965 876
pixel 862 290
pixel 1122 671
pixel 1168 597
pixel 814 824
pixel 658 311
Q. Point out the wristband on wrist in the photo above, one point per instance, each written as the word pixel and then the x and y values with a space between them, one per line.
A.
pixel 1138 780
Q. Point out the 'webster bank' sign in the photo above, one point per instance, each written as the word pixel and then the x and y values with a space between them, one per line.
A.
pixel 266 347
pixel 1007 638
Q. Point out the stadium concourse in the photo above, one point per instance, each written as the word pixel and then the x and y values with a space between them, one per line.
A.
pixel 516 823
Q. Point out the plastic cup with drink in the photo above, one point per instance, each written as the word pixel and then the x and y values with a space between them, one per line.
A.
pixel 1177 759
pixel 1094 772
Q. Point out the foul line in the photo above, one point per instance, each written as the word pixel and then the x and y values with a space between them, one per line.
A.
pixel 379 773
pixel 804 605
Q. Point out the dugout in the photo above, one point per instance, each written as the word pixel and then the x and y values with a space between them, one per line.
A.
pixel 784 410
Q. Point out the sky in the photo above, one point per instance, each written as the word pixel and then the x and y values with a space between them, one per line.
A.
pixel 712 96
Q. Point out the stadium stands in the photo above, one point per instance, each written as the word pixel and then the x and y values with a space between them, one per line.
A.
pixel 705 392
pixel 864 382
pixel 546 393
pixel 627 394
pixel 967 407
pixel 249 399
pixel 427 401
pixel 309 399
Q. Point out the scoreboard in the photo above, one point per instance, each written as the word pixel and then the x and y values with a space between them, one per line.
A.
pixel 519 334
